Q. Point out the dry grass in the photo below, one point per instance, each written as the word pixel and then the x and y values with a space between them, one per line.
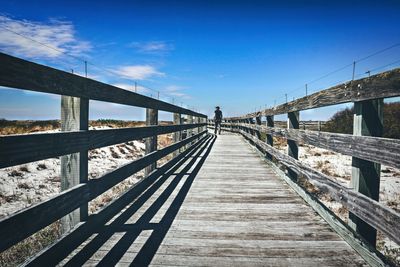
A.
pixel 9 127
pixel 164 140
pixel 279 142
pixel 15 173
pixel 41 166
pixel 24 169
pixel 17 254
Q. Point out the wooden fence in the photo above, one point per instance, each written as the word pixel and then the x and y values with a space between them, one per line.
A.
pixel 366 146
pixel 75 140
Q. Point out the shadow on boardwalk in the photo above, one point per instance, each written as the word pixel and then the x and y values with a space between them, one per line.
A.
pixel 184 172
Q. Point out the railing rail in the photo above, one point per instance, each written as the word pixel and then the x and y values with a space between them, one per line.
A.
pixel 366 146
pixel 75 140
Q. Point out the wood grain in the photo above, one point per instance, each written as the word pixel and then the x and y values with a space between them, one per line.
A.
pixel 20 225
pixel 382 85
pixel 19 149
pixel 384 219
pixel 376 149
pixel 22 74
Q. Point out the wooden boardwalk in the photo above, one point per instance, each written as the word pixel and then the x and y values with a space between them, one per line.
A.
pixel 222 207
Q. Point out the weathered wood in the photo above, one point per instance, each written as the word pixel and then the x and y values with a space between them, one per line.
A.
pixel 22 74
pixel 20 225
pixel 365 176
pixel 30 220
pixel 160 228
pixel 60 249
pixel 359 204
pixel 376 149
pixel 382 85
pixel 151 142
pixel 177 135
pixel 258 122
pixel 270 139
pixel 367 252
pixel 112 178
pixel 293 147
pixel 74 167
pixel 19 149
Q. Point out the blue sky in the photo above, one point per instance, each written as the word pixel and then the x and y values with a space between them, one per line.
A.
pixel 241 55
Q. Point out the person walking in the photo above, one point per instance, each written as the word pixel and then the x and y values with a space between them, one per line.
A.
pixel 217 119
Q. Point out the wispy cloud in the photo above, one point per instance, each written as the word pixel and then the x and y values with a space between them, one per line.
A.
pixel 57 34
pixel 152 47
pixel 131 87
pixel 138 72
pixel 176 91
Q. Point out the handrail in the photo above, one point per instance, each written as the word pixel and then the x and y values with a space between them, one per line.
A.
pixel 22 224
pixel 75 140
pixel 382 85
pixel 366 146
pixel 14 149
pixel 23 74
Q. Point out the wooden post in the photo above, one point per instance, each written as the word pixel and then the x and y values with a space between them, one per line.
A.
pixel 189 131
pixel 74 167
pixel 177 135
pixel 365 175
pixel 293 148
pixel 198 120
pixel 151 142
pixel 319 126
pixel 251 121
pixel 258 122
pixel 270 139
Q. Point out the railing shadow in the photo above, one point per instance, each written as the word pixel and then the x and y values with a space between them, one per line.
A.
pixel 159 230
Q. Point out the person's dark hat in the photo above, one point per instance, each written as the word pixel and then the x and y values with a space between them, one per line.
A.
pixel 217 107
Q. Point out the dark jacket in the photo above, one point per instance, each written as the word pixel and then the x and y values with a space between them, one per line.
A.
pixel 218 115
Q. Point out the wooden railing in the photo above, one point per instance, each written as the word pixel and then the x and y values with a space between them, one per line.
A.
pixel 366 146
pixel 75 140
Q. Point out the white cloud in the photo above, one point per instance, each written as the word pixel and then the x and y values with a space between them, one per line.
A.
pixel 152 47
pixel 55 33
pixel 131 87
pixel 176 91
pixel 138 72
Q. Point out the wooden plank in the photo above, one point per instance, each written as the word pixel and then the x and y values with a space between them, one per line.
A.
pixel 189 260
pixel 20 225
pixel 151 142
pixel 244 239
pixel 30 220
pixel 22 74
pixel 19 149
pixel 365 175
pixel 367 252
pixel 382 85
pixel 53 254
pixel 102 184
pixel 376 149
pixel 74 167
pixel 362 206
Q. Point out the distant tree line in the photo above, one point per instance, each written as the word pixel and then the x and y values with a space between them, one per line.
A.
pixel 342 121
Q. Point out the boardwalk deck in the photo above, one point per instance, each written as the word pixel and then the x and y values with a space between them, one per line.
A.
pixel 222 207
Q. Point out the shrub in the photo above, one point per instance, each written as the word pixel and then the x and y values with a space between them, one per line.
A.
pixel 342 121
